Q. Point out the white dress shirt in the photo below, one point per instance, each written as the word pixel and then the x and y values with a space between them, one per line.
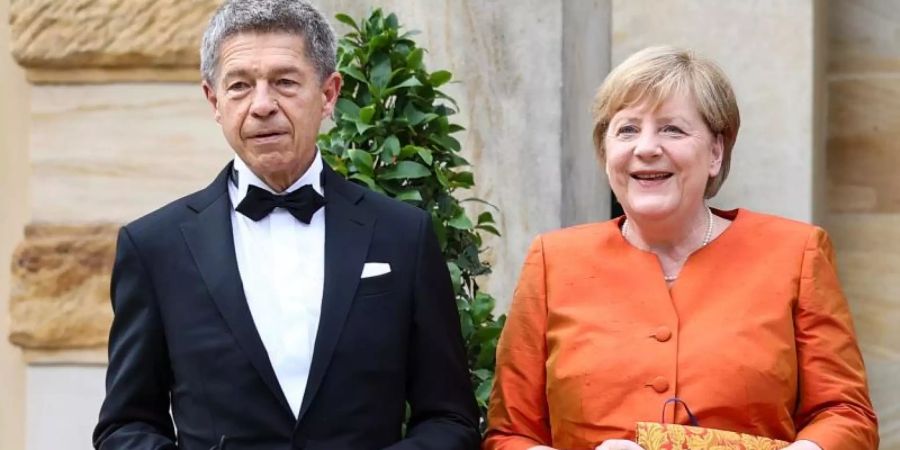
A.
pixel 282 265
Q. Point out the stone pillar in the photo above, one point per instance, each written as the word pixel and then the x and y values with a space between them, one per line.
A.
pixel 768 50
pixel 864 188
pixel 13 216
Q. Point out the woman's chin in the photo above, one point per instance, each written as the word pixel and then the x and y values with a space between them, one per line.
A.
pixel 652 210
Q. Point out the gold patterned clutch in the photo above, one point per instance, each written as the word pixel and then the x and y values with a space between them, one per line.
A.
pixel 668 436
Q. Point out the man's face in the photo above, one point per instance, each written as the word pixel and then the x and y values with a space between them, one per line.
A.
pixel 270 103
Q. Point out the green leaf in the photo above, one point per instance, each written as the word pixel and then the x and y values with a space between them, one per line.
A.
pixel 413 115
pixel 390 148
pixel 447 142
pixel 460 221
pixel 485 217
pixel 414 59
pixel 355 73
pixel 463 179
pixel 455 275
pixel 366 114
pixel 440 77
pixel 483 392
pixel 482 307
pixel 405 169
pixel 365 179
pixel 362 160
pixel 345 19
pixel 335 163
pixel 439 174
pixel 482 374
pixel 408 83
pixel 347 107
pixel 381 72
pixel 362 127
pixel 391 21
pixel 425 154
pixel 488 229
pixel 408 151
pixel 411 195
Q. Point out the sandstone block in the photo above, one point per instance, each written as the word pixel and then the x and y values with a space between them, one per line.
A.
pixel 60 286
pixel 50 34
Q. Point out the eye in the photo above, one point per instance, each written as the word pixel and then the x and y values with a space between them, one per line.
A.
pixel 627 131
pixel 673 130
pixel 286 82
pixel 238 86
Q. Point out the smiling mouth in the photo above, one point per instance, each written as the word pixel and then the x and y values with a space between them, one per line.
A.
pixel 651 176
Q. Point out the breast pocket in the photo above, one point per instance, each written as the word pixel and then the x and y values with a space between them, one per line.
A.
pixel 377 285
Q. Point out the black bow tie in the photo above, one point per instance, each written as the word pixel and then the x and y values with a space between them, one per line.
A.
pixel 302 203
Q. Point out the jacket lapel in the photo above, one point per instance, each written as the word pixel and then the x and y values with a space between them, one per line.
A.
pixel 348 231
pixel 209 237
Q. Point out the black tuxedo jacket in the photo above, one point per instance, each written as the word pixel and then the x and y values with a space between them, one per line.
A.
pixel 183 338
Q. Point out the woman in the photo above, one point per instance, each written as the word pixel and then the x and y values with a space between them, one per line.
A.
pixel 737 313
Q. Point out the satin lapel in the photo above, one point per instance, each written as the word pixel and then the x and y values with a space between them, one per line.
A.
pixel 348 231
pixel 211 243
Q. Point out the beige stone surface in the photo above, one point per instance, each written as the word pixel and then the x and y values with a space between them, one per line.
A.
pixel 112 153
pixel 13 216
pixel 864 144
pixel 864 37
pixel 868 253
pixel 60 292
pixel 864 188
pixel 123 33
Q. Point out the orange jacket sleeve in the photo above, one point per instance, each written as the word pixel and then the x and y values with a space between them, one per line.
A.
pixel 834 410
pixel 518 417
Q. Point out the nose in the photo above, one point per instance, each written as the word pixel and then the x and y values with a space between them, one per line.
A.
pixel 648 145
pixel 264 103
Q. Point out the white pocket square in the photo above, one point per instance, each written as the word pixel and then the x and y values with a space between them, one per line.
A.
pixel 373 269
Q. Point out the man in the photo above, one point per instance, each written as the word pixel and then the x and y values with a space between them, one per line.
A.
pixel 282 306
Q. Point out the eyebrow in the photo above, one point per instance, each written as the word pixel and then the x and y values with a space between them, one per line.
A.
pixel 243 73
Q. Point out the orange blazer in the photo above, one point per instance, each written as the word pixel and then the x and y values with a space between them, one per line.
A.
pixel 755 336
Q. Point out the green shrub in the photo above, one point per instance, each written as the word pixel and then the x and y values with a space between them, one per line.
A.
pixel 393 134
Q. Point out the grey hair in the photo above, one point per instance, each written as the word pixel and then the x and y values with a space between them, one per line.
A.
pixel 266 16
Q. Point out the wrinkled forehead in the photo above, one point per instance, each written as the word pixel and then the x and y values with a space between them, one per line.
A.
pixel 648 97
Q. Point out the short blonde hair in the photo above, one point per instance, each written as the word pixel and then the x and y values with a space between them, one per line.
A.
pixel 656 73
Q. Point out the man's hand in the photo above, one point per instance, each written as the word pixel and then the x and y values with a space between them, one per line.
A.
pixel 621 444
pixel 803 445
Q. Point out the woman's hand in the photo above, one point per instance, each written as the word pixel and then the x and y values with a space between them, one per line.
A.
pixel 803 445
pixel 621 444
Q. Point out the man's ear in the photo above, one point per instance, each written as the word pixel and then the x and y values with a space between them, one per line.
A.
pixel 331 90
pixel 210 93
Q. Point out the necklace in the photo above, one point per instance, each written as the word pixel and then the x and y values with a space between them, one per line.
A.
pixel 706 238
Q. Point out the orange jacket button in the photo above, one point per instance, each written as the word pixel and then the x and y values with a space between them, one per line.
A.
pixel 662 334
pixel 659 384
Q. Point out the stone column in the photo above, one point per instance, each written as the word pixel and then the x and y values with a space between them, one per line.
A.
pixel 768 49
pixel 13 216
pixel 864 188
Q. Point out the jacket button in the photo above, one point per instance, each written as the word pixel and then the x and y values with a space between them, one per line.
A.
pixel 659 384
pixel 662 334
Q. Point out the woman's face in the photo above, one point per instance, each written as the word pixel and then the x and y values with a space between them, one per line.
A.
pixel 658 161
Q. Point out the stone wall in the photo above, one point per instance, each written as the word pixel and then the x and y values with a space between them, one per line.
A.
pixel 864 187
pixel 13 217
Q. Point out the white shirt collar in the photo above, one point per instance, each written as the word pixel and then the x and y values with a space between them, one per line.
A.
pixel 246 177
